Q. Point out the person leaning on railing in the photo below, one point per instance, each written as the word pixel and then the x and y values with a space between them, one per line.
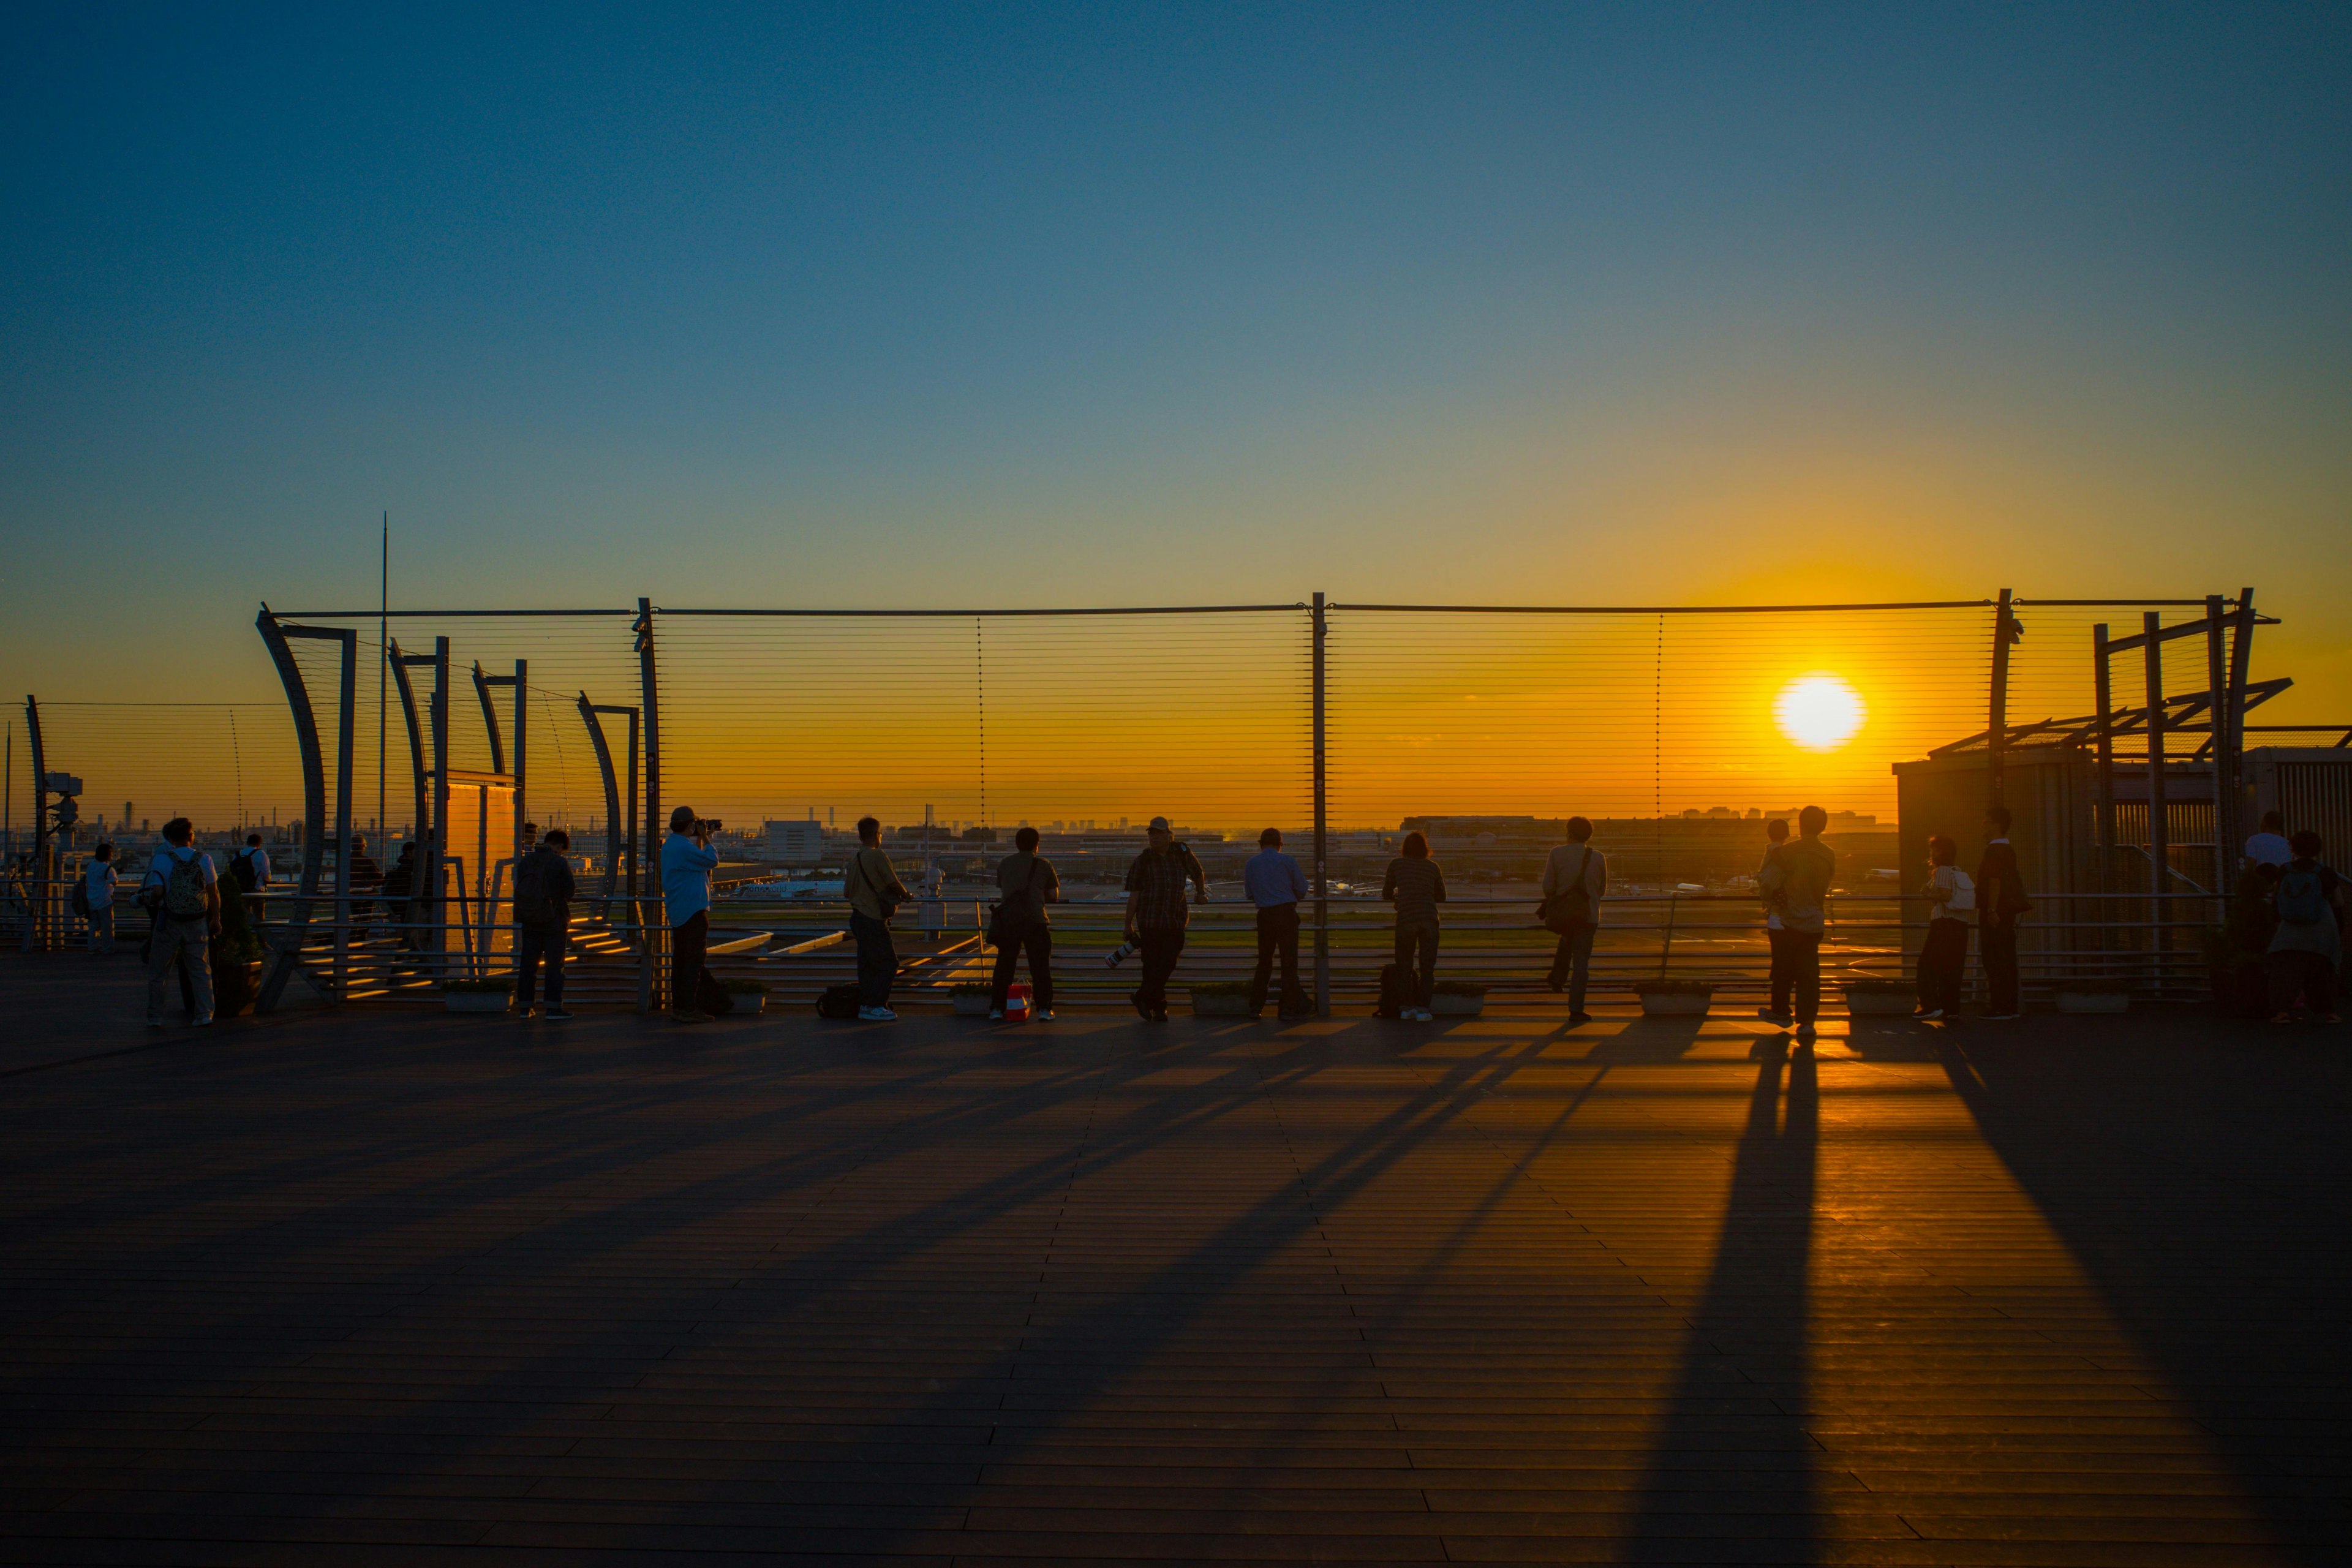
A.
pixel 1944 956
pixel 2000 901
pixel 1028 882
pixel 1771 887
pixel 2309 941
pixel 1275 885
pixel 1809 867
pixel 1157 914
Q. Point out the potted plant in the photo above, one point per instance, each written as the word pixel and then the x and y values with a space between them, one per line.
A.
pixel 237 972
pixel 970 1001
pixel 2109 996
pixel 750 996
pixel 476 995
pixel 1676 998
pixel 1221 999
pixel 1457 999
pixel 1665 998
pixel 1881 997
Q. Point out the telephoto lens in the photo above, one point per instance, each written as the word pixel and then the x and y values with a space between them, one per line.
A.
pixel 1119 955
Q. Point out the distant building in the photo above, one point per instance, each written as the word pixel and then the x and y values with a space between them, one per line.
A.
pixel 797 842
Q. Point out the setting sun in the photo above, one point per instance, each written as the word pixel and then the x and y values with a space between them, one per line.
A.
pixel 1819 712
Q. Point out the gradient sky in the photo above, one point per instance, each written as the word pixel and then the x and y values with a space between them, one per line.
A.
pixel 1039 305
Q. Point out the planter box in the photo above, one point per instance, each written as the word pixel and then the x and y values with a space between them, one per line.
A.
pixel 234 987
pixel 2103 1001
pixel 969 1004
pixel 752 1002
pixel 1679 1001
pixel 1454 1005
pixel 476 1001
pixel 1209 1004
pixel 1882 999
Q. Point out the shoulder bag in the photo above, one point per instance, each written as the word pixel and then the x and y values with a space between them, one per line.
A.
pixel 1564 910
pixel 1005 923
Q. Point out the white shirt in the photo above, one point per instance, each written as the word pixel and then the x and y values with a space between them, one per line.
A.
pixel 101 878
pixel 2269 850
pixel 159 869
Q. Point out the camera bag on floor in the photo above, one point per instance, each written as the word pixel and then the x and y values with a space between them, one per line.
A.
pixel 712 997
pixel 837 1001
pixel 1392 983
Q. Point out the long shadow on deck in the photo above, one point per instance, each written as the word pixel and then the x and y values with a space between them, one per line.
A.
pixel 1730 1478
pixel 2204 1181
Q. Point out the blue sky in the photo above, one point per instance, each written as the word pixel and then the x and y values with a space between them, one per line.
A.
pixel 1125 304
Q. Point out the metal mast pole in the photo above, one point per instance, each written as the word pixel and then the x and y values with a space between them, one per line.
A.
pixel 2217 686
pixel 383 652
pixel 1322 826
pixel 1997 726
pixel 2160 837
pixel 650 699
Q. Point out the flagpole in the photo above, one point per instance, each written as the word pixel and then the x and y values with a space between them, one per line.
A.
pixel 383 652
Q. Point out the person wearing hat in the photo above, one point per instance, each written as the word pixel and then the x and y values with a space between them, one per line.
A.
pixel 1157 914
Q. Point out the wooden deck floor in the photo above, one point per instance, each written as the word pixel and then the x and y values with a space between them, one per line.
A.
pixel 379 1288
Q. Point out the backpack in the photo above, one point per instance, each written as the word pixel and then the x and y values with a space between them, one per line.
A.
pixel 1392 984
pixel 81 897
pixel 530 903
pixel 1008 919
pixel 241 867
pixel 2302 896
pixel 183 888
pixel 1564 911
pixel 888 900
pixel 837 1001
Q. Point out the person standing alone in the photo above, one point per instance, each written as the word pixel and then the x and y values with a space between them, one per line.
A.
pixel 1944 957
pixel 2000 900
pixel 1275 885
pixel 181 891
pixel 1416 886
pixel 1028 883
pixel 875 893
pixel 1809 867
pixel 687 862
pixel 99 881
pixel 543 890
pixel 1157 914
pixel 1574 876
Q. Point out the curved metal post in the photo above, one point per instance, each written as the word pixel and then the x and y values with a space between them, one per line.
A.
pixel 36 908
pixel 490 720
pixel 419 824
pixel 614 837
pixel 314 809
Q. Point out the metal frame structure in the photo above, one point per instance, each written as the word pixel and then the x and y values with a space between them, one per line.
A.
pixel 278 634
pixel 635 806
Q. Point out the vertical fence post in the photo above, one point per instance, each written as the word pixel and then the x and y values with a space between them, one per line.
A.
pixel 440 858
pixel 2217 701
pixel 1997 716
pixel 2242 645
pixel 1322 827
pixel 2159 829
pixel 521 774
pixel 650 701
pixel 347 705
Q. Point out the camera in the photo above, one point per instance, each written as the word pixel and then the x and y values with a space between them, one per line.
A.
pixel 707 825
pixel 1120 955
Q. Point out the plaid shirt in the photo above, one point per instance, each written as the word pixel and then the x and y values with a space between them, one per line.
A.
pixel 1158 879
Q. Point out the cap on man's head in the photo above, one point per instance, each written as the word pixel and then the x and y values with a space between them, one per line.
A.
pixel 1160 824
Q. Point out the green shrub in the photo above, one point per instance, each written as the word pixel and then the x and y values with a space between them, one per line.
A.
pixel 742 988
pixel 1674 987
pixel 1457 988
pixel 1222 988
pixel 498 987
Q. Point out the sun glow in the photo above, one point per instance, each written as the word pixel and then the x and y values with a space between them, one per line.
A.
pixel 1819 712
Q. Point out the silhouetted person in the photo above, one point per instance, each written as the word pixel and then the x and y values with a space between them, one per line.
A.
pixel 1275 885
pixel 98 881
pixel 251 865
pixel 2000 901
pixel 181 891
pixel 1944 956
pixel 2309 941
pixel 686 862
pixel 1575 874
pixel 1416 886
pixel 2269 846
pixel 1028 882
pixel 1771 887
pixel 543 891
pixel 874 892
pixel 399 889
pixel 1808 868
pixel 367 876
pixel 1157 914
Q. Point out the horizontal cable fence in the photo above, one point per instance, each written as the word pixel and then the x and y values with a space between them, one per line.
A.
pixel 1679 732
